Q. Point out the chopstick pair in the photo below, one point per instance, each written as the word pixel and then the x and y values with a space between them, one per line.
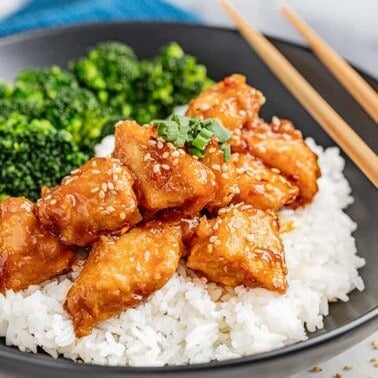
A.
pixel 308 97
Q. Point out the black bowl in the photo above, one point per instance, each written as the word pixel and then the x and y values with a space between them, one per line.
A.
pixel 224 52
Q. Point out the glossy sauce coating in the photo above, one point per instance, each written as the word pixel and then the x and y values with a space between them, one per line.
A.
pixel 120 273
pixel 240 247
pixel 95 199
pixel 166 176
pixel 281 146
pixel 231 101
pixel 260 186
pixel 27 255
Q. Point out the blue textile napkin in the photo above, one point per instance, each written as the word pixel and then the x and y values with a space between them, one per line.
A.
pixel 39 14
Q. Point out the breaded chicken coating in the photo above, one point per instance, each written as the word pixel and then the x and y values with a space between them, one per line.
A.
pixel 240 247
pixel 120 273
pixel 96 199
pixel 27 255
pixel 231 101
pixel 166 176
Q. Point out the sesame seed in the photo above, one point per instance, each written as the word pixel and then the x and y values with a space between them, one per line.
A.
pixel 224 167
pixel 175 153
pixel 160 145
pixel 96 171
pixel 94 164
pixel 166 155
pixel 147 156
pixel 132 258
pixel 212 239
pixel 275 170
pixel 225 176
pixel 269 187
pixel 48 197
pixel 166 167
pixel 225 269
pixel 95 190
pixel 237 132
pixel 156 168
pixel 212 150
pixel 175 161
pixel 75 171
pixel 276 121
pixel 146 255
pixel 53 202
pixel 111 209
pixel 316 369
pixel 216 167
pixel 101 194
pixel 110 186
pixel 245 207
pixel 104 187
pixel 181 151
pixel 122 215
pixel 209 248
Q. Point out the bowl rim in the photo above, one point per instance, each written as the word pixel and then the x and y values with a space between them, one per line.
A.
pixel 44 360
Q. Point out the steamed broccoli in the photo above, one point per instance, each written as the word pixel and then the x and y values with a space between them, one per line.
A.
pixel 5 89
pixel 171 78
pixel 109 69
pixel 78 112
pixel 34 154
pixel 188 78
pixel 39 84
pixel 29 109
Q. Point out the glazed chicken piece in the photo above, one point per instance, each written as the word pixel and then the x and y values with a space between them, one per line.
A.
pixel 240 247
pixel 95 199
pixel 225 176
pixel 120 273
pixel 259 186
pixel 231 101
pixel 27 256
pixel 281 146
pixel 166 176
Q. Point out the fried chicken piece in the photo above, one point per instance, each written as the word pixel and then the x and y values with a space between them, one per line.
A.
pixel 259 186
pixel 225 176
pixel 166 177
pixel 231 101
pixel 281 146
pixel 120 273
pixel 95 199
pixel 27 256
pixel 240 247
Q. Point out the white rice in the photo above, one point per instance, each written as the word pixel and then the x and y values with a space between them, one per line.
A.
pixel 192 321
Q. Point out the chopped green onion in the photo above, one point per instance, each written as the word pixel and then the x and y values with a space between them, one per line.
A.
pixel 168 130
pixel 202 139
pixel 219 131
pixel 196 133
pixel 196 152
pixel 226 148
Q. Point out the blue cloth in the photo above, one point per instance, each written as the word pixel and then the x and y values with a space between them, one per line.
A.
pixel 39 14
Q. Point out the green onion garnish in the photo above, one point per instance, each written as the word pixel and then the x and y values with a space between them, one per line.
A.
pixel 226 148
pixel 196 133
pixel 202 139
pixel 219 131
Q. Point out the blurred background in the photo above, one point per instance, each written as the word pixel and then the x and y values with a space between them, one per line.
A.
pixel 350 26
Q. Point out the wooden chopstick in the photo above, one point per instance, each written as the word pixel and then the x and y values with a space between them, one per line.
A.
pixel 362 92
pixel 321 111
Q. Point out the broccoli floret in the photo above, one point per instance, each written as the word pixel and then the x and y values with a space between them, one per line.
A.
pixel 34 154
pixel 29 109
pixel 109 69
pixel 171 78
pixel 78 112
pixel 6 89
pixel 188 78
